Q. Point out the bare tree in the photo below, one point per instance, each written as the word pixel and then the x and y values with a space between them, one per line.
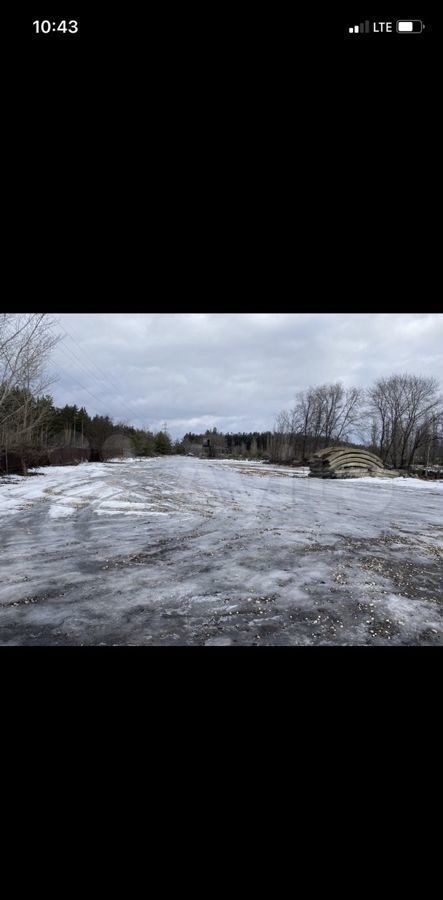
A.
pixel 280 442
pixel 348 412
pixel 405 410
pixel 324 415
pixel 26 340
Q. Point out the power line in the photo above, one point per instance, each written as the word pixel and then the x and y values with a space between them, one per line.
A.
pixel 106 377
pixel 90 375
pixel 88 370
pixel 58 366
pixel 79 362
pixel 91 362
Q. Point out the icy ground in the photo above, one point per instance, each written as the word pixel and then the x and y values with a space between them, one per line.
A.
pixel 190 551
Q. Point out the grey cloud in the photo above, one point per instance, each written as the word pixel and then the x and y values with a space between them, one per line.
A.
pixel 234 371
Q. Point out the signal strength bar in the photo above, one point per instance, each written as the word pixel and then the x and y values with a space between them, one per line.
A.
pixel 363 28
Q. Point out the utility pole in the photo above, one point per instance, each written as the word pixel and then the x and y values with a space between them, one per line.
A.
pixel 430 438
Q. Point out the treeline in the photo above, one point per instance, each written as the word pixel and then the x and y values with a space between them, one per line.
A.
pixel 73 428
pixel 34 432
pixel 69 435
pixel 272 446
pixel 253 444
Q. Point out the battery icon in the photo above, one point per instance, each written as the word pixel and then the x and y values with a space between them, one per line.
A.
pixel 410 26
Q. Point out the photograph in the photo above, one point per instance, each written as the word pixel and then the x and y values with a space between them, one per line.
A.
pixel 221 479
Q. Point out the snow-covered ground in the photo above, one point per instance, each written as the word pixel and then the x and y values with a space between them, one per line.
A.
pixel 189 551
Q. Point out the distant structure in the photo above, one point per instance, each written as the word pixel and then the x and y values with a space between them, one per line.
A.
pixel 206 449
pixel 347 462
pixel 209 446
pixel 202 449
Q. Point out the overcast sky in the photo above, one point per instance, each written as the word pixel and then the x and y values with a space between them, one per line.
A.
pixel 232 371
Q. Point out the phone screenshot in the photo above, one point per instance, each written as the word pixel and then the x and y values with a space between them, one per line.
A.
pixel 263 465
